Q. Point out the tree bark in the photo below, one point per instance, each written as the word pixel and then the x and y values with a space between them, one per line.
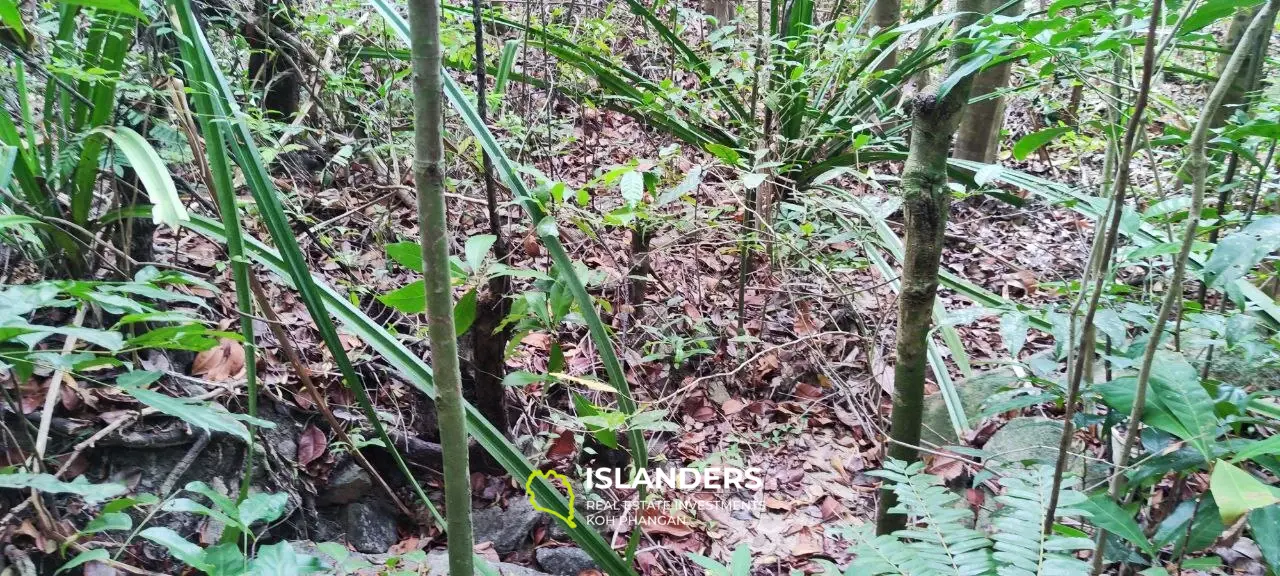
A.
pixel 1241 82
pixel 978 138
pixel 272 66
pixel 488 342
pixel 926 202
pixel 886 14
pixel 428 173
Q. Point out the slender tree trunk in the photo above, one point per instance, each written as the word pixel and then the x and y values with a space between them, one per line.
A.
pixel 978 137
pixel 722 10
pixel 886 14
pixel 1198 161
pixel 488 342
pixel 428 173
pixel 926 202
pixel 271 64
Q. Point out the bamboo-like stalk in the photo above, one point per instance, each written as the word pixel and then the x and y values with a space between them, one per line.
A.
pixel 1109 238
pixel 926 202
pixel 1198 162
pixel 428 174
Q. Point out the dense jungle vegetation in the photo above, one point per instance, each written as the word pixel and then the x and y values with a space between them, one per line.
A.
pixel 579 287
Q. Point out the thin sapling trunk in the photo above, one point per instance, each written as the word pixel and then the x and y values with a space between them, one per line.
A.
pixel 428 173
pixel 926 202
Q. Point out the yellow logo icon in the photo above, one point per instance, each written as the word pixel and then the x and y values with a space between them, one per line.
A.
pixel 550 476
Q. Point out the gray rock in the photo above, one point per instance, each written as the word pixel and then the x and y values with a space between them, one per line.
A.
pixel 435 564
pixel 937 429
pixel 568 561
pixel 348 484
pixel 438 565
pixel 1034 440
pixel 508 529
pixel 371 528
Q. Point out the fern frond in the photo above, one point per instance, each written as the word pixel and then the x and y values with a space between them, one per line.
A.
pixel 939 542
pixel 879 555
pixel 1020 547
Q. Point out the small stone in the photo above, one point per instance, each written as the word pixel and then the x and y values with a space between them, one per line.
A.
pixel 438 565
pixel 567 561
pixel 348 484
pixel 508 529
pixel 370 528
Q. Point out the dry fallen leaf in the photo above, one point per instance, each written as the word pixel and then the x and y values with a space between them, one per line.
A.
pixel 808 541
pixel 311 444
pixel 223 362
pixel 563 446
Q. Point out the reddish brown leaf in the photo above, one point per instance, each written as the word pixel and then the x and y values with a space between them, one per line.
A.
pixel 311 444
pixel 563 446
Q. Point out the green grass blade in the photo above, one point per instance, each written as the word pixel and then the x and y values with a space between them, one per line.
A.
pixel 226 118
pixel 117 36
pixel 414 370
pixel 505 64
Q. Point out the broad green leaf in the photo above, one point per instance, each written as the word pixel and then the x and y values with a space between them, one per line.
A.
pixel 1196 527
pixel 475 250
pixel 92 493
pixel 226 559
pixel 108 521
pixel 753 180
pixel 1237 492
pixel 201 414
pixel 632 187
pixel 521 378
pixel 1105 514
pixel 410 299
pixel 1119 395
pixel 167 207
pixel 1212 11
pixel 95 555
pixel 1266 447
pixel 190 554
pixel 407 254
pixel 11 17
pixel 280 559
pixel 1165 249
pixel 686 186
pixel 724 153
pixel 1176 384
pixel 1262 524
pixel 585 409
pixel 464 312
pixel 1013 330
pixel 260 507
pixel 1236 254
pixel 1035 140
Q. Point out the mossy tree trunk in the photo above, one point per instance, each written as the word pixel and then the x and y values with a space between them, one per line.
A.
pixel 978 138
pixel 428 173
pixel 926 202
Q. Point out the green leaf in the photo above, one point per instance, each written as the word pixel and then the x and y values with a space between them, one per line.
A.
pixel 1267 447
pixel 1166 207
pixel 1204 526
pixel 201 414
pixel 464 312
pixel 226 559
pixel 280 559
pixel 11 17
pixel 260 507
pixel 1239 252
pixel 121 6
pixel 95 555
pixel 411 299
pixel 475 250
pixel 407 254
pixel 1262 524
pixel 1211 12
pixel 686 186
pixel 1105 514
pixel 505 64
pixel 586 410
pixel 1237 492
pixel 151 170
pixel 1033 141
pixel 108 521
pixel 724 153
pixel 92 493
pixel 631 185
pixel 8 221
pixel 753 180
pixel 1013 330
pixel 1176 384
pixel 521 378
pixel 190 554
